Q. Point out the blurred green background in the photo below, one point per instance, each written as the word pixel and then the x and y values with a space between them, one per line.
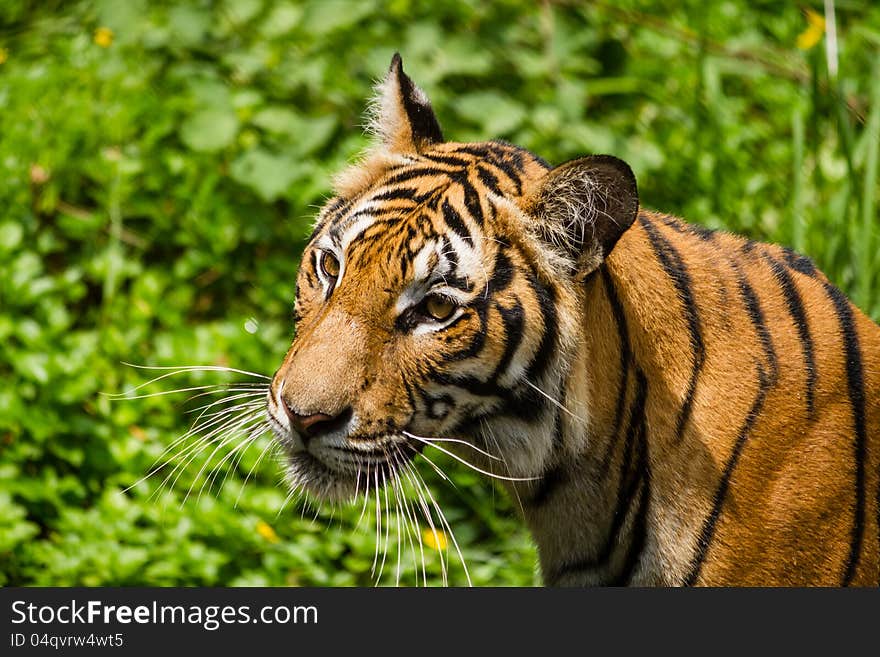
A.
pixel 160 163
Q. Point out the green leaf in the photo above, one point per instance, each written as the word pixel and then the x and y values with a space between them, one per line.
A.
pixel 189 24
pixel 277 119
pixel 281 20
pixel 11 233
pixel 209 130
pixel 497 114
pixel 268 174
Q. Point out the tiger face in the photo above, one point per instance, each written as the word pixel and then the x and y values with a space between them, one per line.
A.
pixel 432 299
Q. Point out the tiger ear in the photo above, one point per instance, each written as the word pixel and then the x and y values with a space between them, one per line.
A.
pixel 582 207
pixel 402 115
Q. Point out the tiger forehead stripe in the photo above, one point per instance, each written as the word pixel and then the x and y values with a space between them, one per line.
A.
pixel 496 167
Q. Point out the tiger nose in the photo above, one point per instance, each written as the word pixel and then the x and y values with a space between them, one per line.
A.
pixel 311 426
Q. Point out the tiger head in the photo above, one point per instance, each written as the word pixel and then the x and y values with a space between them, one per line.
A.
pixel 437 302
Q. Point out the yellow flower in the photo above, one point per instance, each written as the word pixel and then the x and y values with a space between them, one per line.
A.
pixel 434 539
pixel 39 175
pixel 4 55
pixel 104 37
pixel 815 29
pixel 264 530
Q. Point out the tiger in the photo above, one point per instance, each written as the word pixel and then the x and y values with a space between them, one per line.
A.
pixel 670 405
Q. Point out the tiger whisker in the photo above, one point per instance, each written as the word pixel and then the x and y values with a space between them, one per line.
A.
pixel 418 502
pixel 269 446
pixel 248 404
pixel 252 404
pixel 234 456
pixel 467 463
pixel 158 467
pixel 177 369
pixel 429 517
pixel 445 522
pixel 422 486
pixel 258 397
pixel 394 489
pixel 220 435
pixel 162 393
pixel 409 518
pixel 410 506
pixel 385 485
pixel 219 444
pixel 437 469
pixel 556 403
pixel 220 424
pixel 378 522
pixel 488 429
pixel 457 441
pixel 294 491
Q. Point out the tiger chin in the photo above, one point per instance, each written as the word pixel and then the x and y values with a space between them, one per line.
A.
pixel 670 405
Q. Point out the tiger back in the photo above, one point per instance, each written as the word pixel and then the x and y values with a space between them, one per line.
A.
pixel 669 405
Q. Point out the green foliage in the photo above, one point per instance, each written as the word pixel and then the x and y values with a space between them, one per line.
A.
pixel 159 166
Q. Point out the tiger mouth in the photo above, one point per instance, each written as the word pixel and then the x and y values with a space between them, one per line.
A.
pixel 359 466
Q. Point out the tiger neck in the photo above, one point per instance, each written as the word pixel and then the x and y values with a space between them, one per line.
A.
pixel 589 511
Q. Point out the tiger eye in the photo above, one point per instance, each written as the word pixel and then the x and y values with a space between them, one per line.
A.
pixel 439 308
pixel 330 265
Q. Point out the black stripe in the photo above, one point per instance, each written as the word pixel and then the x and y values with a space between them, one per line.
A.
pixel 331 213
pixel 675 268
pixel 547 302
pixel 508 160
pixel 631 474
pixel 625 358
pixel 517 153
pixel 337 210
pixel 855 382
pixel 639 527
pixel 527 405
pixel 513 153
pixel 483 151
pixel 449 160
pixel 756 315
pixel 798 262
pixel 448 251
pixel 398 193
pixel 708 530
pixel 502 274
pixel 475 346
pixel 471 384
pixel 317 229
pixel 409 394
pixel 795 305
pixel 417 172
pixel 511 173
pixel 378 214
pixel 489 180
pixel 633 481
pixel 335 204
pixel 513 319
pixel 704 233
pixel 472 202
pixel 767 376
pixel 455 222
pixel 551 480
